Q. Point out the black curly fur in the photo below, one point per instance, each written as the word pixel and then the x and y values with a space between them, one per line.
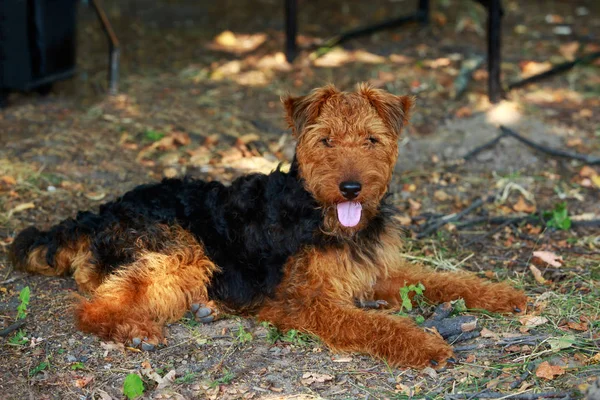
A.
pixel 248 229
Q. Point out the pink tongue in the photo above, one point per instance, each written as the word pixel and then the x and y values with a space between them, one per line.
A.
pixel 349 213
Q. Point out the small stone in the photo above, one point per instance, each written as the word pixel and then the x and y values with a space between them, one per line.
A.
pixel 71 358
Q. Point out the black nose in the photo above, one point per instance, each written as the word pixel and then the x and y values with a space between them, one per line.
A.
pixel 350 189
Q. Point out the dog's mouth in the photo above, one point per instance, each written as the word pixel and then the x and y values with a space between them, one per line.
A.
pixel 349 213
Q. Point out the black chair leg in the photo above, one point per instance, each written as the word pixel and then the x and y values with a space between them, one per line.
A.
pixel 423 12
pixel 113 47
pixel 494 43
pixel 291 29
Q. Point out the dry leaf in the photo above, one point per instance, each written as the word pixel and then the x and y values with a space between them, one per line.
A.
pixel 522 206
pixel 414 205
pixel 463 112
pixel 403 219
pixel 95 196
pixel 537 274
pixel 533 320
pixel 21 207
pixel 440 195
pixel 549 258
pixel 486 333
pixel 311 377
pixel 7 180
pixel 574 142
pixel 578 326
pixel 547 371
pixel 82 382
pixel 342 359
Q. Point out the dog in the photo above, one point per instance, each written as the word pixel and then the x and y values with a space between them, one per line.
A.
pixel 299 249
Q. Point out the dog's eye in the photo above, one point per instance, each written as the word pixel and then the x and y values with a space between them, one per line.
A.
pixel 326 142
pixel 373 140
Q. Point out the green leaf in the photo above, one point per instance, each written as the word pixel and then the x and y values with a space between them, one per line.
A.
pixel 153 135
pixel 404 295
pixel 419 319
pixel 18 339
pixel 77 365
pixel 24 297
pixel 561 343
pixel 133 386
pixel 41 366
pixel 559 217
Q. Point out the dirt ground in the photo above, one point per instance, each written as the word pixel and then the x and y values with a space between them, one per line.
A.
pixel 196 99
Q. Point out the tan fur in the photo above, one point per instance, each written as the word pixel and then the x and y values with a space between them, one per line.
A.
pixel 157 288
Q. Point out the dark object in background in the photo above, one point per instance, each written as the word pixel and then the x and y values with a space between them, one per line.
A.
pixel 37 43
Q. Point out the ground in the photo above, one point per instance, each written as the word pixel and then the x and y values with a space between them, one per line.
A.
pixel 196 99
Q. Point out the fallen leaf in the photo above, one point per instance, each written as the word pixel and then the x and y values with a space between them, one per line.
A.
pixel 82 382
pixel 470 358
pixel 547 371
pixel 549 258
pixel 537 274
pixel 21 207
pixel 414 205
pixel 311 377
pixel 463 112
pixel 341 359
pixel 403 219
pixel 7 181
pixel 522 206
pixel 533 320
pixel 95 196
pixel 561 343
pixel 574 142
pixel 530 68
pixel 595 359
pixel 569 50
pixel 578 326
pixel 440 195
pixel 486 333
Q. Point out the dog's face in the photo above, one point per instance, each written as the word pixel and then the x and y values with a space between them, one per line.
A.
pixel 347 149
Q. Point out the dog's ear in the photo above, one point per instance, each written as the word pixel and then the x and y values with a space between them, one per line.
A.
pixel 304 110
pixel 394 110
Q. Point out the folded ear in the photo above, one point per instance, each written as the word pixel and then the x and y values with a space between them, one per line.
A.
pixel 304 110
pixel 394 110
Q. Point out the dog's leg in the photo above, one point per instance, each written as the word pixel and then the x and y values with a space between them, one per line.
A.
pixel 134 303
pixel 446 286
pixel 441 286
pixel 343 327
pixel 316 296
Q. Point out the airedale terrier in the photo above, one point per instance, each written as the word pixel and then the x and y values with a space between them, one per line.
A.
pixel 297 249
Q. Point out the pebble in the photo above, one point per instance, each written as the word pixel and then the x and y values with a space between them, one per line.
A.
pixel 71 358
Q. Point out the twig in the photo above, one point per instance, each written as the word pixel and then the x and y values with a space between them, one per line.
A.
pixel 453 217
pixel 588 58
pixel 490 233
pixel 549 150
pixel 483 147
pixel 11 328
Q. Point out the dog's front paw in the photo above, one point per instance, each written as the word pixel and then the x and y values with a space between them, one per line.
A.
pixel 205 313
pixel 502 298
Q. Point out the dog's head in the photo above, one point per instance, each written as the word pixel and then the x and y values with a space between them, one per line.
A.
pixel 347 148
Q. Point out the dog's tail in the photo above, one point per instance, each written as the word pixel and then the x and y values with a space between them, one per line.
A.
pixel 55 252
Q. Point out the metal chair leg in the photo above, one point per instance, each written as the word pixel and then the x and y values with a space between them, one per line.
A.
pixel 494 44
pixel 291 29
pixel 113 47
